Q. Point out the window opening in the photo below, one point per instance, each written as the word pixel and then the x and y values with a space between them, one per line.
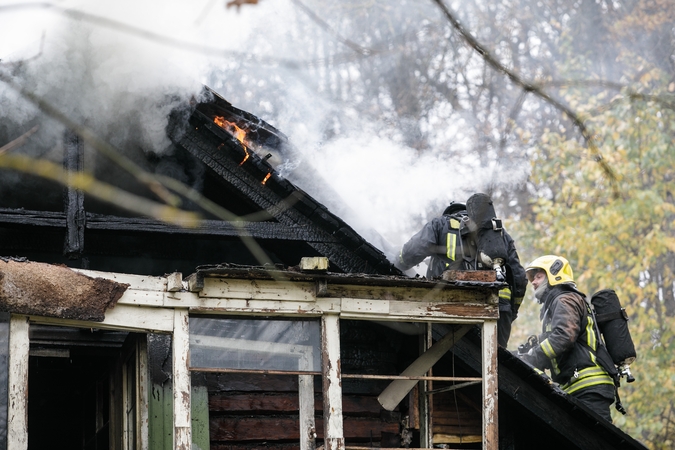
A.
pixel 398 394
pixel 268 345
pixel 255 381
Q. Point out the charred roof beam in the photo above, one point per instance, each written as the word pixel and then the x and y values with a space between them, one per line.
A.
pixel 289 205
pixel 257 230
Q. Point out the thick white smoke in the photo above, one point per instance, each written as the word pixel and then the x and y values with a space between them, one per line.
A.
pixel 120 78
pixel 113 66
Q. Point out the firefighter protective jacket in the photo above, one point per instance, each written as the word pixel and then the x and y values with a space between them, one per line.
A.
pixel 452 247
pixel 568 343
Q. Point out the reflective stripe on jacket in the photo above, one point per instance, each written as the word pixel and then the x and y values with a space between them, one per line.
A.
pixel 568 342
pixel 440 240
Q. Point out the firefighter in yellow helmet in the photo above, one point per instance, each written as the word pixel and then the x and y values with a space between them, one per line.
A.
pixel 569 342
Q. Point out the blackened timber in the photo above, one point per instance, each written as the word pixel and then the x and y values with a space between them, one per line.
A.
pixel 285 428
pixel 73 245
pixel 287 402
pixel 257 230
pixel 32 218
pixel 218 151
pixel 256 129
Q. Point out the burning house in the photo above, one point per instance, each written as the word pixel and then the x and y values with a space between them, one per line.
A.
pixel 279 327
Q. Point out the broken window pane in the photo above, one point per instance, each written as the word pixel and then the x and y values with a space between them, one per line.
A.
pixel 255 344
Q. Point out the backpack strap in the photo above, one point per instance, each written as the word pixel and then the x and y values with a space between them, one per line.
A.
pixel 621 314
pixel 603 355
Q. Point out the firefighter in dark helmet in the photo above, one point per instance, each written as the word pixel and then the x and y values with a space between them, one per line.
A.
pixel 568 344
pixel 453 241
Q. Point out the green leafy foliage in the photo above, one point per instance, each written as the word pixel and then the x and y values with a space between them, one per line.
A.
pixel 625 241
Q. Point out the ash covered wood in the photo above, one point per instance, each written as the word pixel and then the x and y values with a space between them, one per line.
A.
pixel 487 276
pixel 55 291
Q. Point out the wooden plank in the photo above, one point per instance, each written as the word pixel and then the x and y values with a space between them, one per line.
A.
pixel 363 306
pixel 452 411
pixel 160 430
pixel 17 420
pixel 174 282
pixel 424 401
pixel 332 389
pixel 367 428
pixel 259 402
pixel 306 412
pixel 148 298
pixel 360 405
pixel 181 381
pixel 259 230
pixel 401 310
pixel 142 391
pixel 255 446
pixel 138 282
pixel 448 293
pixel 457 439
pixel 461 420
pixel 258 289
pixel 250 382
pixel 122 317
pixel 253 307
pixel 398 389
pixel 200 417
pixel 277 428
pixel 288 403
pixel 488 276
pixel 414 409
pixel 490 386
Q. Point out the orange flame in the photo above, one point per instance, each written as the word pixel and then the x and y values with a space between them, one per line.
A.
pixel 246 155
pixel 267 177
pixel 231 127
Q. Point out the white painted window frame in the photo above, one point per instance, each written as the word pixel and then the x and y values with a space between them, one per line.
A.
pixel 148 306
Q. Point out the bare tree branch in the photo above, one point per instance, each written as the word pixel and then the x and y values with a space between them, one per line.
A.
pixel 18 142
pixel 323 24
pixel 533 88
pixel 170 41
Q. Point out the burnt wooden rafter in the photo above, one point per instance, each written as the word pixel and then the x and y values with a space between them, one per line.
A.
pixel 257 230
pixel 73 245
pixel 287 204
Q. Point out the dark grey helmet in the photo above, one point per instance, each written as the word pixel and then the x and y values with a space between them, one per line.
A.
pixel 454 207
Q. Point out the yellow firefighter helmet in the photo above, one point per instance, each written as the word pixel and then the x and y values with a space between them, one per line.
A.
pixel 557 268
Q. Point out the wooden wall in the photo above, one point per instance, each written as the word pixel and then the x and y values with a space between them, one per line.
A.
pixel 249 411
pixel 256 410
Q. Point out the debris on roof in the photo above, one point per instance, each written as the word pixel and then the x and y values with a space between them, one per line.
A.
pixel 55 291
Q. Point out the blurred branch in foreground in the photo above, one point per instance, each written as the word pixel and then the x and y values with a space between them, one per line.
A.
pixel 18 142
pixel 159 185
pixel 103 191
